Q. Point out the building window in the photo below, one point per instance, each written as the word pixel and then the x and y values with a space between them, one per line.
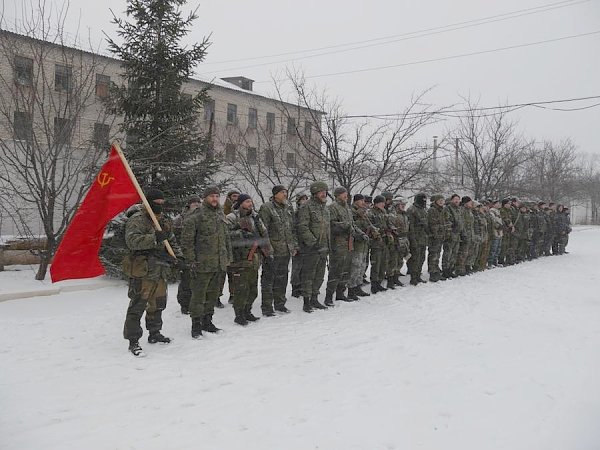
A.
pixel 101 136
pixel 23 126
pixel 307 130
pixel 63 78
pixel 23 70
pixel 231 113
pixel 291 126
pixel 209 109
pixel 290 160
pixel 102 85
pixel 270 122
pixel 251 156
pixel 269 157
pixel 62 131
pixel 230 153
pixel 252 118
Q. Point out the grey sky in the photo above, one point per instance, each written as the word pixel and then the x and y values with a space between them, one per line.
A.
pixel 563 69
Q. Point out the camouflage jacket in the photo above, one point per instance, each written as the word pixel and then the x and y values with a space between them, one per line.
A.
pixel 436 221
pixel 140 239
pixel 249 238
pixel 522 226
pixel 205 239
pixel 497 224
pixel 468 220
pixel 314 226
pixel 379 219
pixel 363 223
pixel 418 228
pixel 343 230
pixel 479 227
pixel 454 221
pixel 279 221
pixel 507 220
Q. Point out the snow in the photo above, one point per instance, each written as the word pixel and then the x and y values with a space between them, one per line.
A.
pixel 505 359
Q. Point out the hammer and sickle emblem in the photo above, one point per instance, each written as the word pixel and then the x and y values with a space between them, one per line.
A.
pixel 104 178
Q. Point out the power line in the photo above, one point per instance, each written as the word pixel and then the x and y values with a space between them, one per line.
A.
pixel 445 58
pixel 403 36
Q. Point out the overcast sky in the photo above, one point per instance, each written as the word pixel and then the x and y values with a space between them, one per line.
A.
pixel 561 69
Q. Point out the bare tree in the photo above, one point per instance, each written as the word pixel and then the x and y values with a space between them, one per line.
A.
pixel 54 131
pixel 588 186
pixel 490 152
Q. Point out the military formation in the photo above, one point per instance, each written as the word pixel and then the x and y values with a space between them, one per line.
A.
pixel 457 236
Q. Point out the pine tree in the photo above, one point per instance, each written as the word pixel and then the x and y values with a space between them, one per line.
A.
pixel 164 144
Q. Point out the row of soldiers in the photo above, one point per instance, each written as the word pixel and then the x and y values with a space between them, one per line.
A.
pixel 235 242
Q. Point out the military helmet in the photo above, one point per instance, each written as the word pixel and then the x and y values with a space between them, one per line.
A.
pixel 318 186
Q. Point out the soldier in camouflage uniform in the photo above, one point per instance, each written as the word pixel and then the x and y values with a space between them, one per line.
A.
pixel 496 233
pixel 417 236
pixel 514 242
pixel 361 247
pixel 297 258
pixel 313 237
pixel 534 226
pixel 184 293
pixel 522 233
pixel 455 225
pixel 563 228
pixel 481 255
pixel 477 239
pixel 542 228
pixel 207 250
pixel 249 245
pixel 549 235
pixel 507 256
pixel 277 215
pixel 466 238
pixel 379 248
pixel 554 230
pixel 399 223
pixel 438 228
pixel 343 233
pixel 148 266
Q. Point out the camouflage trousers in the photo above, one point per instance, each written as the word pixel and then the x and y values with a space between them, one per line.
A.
pixel 494 251
pixel 313 272
pixel 357 268
pixel 340 262
pixel 507 249
pixel 473 252
pixel 274 281
pixel 433 256
pixel 415 263
pixel 463 253
pixel 206 289
pixel 295 278
pixel 184 292
pixel 522 249
pixel 547 246
pixel 145 295
pixel 540 244
pixel 244 281
pixel 379 260
pixel 450 254
pixel 484 253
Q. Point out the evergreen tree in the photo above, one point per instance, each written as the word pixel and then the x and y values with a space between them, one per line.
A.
pixel 164 144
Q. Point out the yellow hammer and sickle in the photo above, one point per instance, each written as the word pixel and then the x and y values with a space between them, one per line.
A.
pixel 104 178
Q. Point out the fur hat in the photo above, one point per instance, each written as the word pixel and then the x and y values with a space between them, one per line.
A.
pixel 211 190
pixel 318 186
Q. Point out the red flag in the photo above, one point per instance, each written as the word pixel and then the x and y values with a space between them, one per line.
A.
pixel 112 192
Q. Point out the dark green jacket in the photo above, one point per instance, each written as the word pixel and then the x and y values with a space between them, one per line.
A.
pixel 454 220
pixel 362 222
pixel 141 240
pixel 380 223
pixel 436 222
pixel 247 250
pixel 314 226
pixel 418 228
pixel 279 221
pixel 468 220
pixel 205 239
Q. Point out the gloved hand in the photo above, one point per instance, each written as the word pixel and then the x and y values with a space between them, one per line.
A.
pixel 247 234
pixel 180 264
pixel 161 235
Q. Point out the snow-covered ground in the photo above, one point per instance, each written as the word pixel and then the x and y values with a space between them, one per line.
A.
pixel 507 359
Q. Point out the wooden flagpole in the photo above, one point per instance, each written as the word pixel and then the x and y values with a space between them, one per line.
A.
pixel 142 196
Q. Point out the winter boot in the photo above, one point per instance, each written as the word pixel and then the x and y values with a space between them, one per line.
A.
pixel 208 325
pixel 328 300
pixel 268 312
pixel 307 307
pixel 414 280
pixel 296 290
pixel 240 318
pixel 340 295
pixel 420 280
pixel 434 277
pixel 352 295
pixel 196 327
pixel 281 308
pixel 135 349
pixel 248 314
pixel 314 302
pixel 390 283
pixel 397 281
pixel 155 337
pixel 185 310
pixel 359 292
pixel 219 304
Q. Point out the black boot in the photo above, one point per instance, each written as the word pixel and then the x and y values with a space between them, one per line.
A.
pixel 281 308
pixel 208 325
pixel 328 300
pixel 352 295
pixel 359 292
pixel 307 307
pixel 196 327
pixel 420 280
pixel 296 290
pixel 397 281
pixel 219 304
pixel 248 314
pixel 434 277
pixel 155 337
pixel 185 310
pixel 268 312
pixel 340 295
pixel 240 318
pixel 380 287
pixel 414 280
pixel 390 283
pixel 135 349
pixel 314 302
